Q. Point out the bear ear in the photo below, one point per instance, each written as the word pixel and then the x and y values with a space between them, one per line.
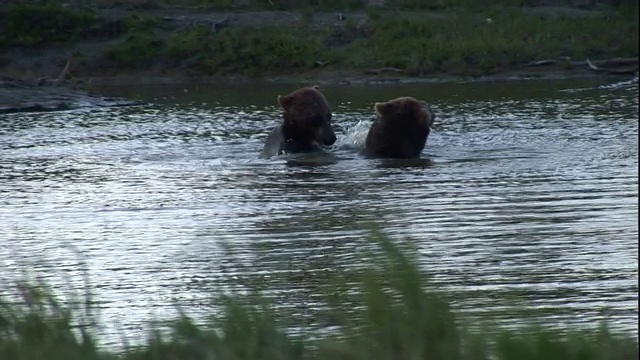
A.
pixel 381 108
pixel 428 117
pixel 315 87
pixel 285 101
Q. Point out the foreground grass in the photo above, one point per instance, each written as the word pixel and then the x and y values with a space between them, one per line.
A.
pixel 395 314
pixel 455 38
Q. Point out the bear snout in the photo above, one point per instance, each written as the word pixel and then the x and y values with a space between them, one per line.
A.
pixel 325 135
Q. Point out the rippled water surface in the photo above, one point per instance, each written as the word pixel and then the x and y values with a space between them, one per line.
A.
pixel 526 191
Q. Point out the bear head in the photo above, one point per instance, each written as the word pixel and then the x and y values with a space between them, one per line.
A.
pixel 400 129
pixel 307 120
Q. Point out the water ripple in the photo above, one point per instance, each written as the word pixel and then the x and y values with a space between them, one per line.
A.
pixel 520 201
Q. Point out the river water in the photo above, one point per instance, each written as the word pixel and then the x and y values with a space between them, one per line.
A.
pixel 526 192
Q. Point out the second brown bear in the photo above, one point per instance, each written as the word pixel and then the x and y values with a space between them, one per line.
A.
pixel 400 129
pixel 306 124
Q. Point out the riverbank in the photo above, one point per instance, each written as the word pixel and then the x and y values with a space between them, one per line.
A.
pixel 178 44
pixel 393 314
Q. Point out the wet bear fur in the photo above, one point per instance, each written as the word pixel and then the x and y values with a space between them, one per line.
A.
pixel 306 124
pixel 400 129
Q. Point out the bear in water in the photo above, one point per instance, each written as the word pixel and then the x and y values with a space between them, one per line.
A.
pixel 400 129
pixel 306 124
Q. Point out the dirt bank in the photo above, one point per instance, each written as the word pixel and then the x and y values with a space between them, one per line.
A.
pixel 49 95
pixel 352 77
pixel 24 96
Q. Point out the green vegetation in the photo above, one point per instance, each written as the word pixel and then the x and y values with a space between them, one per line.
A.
pixel 467 42
pixel 330 5
pixel 345 5
pixel 37 24
pixel 136 51
pixel 458 42
pixel 244 50
pixel 395 314
pixel 458 37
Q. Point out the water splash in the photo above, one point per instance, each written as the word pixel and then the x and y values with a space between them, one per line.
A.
pixel 621 84
pixel 355 136
pixel 627 84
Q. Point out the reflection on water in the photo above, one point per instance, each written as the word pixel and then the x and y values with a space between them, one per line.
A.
pixel 525 192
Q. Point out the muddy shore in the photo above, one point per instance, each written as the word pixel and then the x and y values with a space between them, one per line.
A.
pixel 53 94
pixel 352 77
pixel 31 95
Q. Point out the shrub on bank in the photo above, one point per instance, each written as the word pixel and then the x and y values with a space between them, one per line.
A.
pixel 468 41
pixel 28 24
pixel 457 42
pixel 451 40
pixel 331 5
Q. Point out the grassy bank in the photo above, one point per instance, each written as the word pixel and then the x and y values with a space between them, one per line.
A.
pixel 334 5
pixel 393 314
pixel 412 38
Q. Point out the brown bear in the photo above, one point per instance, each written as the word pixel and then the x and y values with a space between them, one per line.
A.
pixel 400 129
pixel 306 124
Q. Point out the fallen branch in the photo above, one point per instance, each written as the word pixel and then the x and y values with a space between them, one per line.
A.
pixel 609 66
pixel 617 70
pixel 542 62
pixel 382 70
pixel 618 62
pixel 64 73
